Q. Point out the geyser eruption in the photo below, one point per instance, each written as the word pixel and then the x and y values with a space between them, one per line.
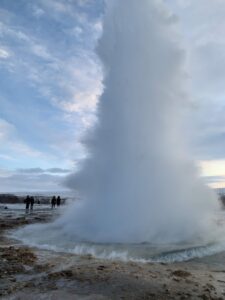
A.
pixel 141 196
pixel 139 183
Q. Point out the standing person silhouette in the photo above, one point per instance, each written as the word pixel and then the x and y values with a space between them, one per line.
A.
pixel 31 202
pixel 27 202
pixel 53 202
pixel 58 201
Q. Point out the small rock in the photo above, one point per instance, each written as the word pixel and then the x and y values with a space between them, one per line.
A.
pixel 101 268
pixel 181 273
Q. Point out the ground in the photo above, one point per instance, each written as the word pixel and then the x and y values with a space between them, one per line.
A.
pixel 28 273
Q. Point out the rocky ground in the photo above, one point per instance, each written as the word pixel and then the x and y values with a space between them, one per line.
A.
pixel 27 273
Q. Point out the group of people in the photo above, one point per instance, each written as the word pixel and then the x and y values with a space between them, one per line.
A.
pixel 55 201
pixel 29 201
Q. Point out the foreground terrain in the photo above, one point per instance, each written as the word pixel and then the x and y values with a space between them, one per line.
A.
pixel 27 273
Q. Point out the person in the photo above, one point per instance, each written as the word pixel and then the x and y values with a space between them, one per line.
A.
pixel 58 201
pixel 31 202
pixel 53 202
pixel 27 202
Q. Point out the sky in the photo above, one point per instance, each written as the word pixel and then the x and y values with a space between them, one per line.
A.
pixel 51 80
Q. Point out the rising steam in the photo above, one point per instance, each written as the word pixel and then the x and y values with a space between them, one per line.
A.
pixel 139 183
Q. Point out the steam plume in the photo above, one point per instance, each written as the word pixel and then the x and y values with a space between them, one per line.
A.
pixel 139 183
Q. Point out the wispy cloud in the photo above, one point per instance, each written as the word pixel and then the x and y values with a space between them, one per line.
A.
pixel 4 54
pixel 44 171
pixel 12 143
pixel 77 78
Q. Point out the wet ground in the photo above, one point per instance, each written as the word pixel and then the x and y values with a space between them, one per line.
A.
pixel 28 273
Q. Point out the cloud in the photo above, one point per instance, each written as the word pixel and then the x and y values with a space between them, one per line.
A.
pixel 32 180
pixel 12 144
pixel 31 171
pixel 5 129
pixel 58 6
pixel 215 182
pixel 214 179
pixel 40 51
pixel 58 171
pixel 76 78
pixel 82 101
pixel 31 183
pixel 43 171
pixel 37 11
pixel 213 172
pixel 4 54
pixel 6 157
pixel 213 167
